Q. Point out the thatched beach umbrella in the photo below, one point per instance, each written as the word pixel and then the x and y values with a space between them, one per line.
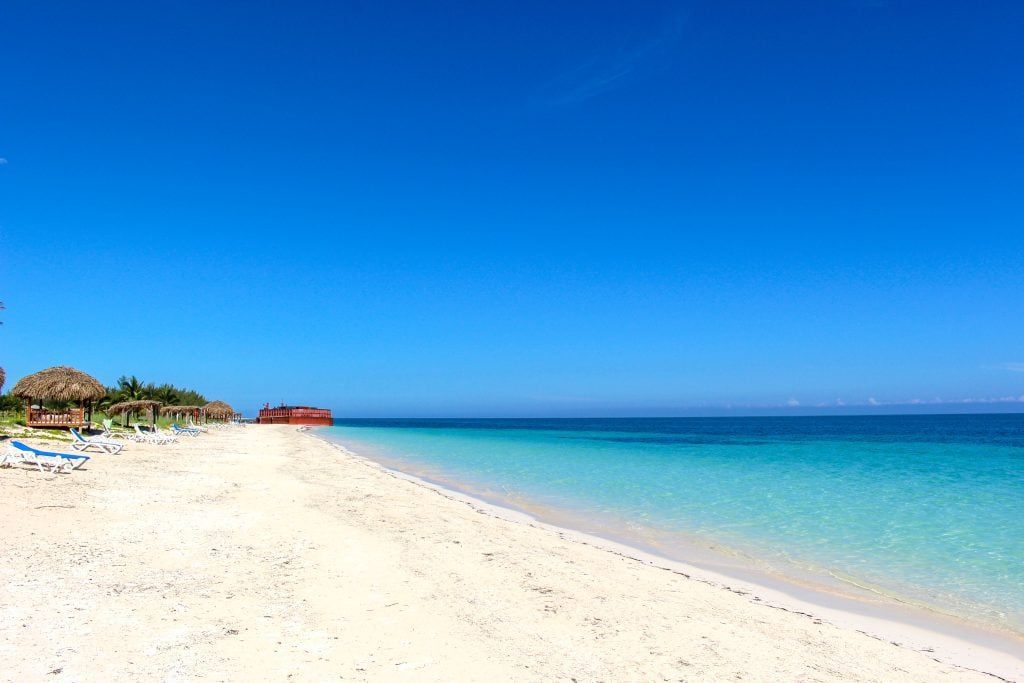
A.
pixel 125 407
pixel 218 410
pixel 60 383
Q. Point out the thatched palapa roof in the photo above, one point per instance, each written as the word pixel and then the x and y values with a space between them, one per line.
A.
pixel 179 410
pixel 132 407
pixel 60 383
pixel 218 410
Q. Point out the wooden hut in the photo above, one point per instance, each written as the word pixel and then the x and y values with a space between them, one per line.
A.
pixel 218 410
pixel 124 408
pixel 59 383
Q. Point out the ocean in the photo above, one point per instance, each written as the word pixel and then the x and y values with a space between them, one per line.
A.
pixel 925 509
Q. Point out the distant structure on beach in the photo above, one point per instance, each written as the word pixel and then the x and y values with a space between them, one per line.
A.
pixel 295 415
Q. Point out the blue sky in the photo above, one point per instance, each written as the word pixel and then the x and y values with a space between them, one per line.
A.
pixel 520 208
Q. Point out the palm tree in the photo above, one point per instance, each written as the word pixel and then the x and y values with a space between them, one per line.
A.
pixel 100 405
pixel 166 394
pixel 130 388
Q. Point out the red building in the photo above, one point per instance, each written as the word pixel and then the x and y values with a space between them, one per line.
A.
pixel 295 415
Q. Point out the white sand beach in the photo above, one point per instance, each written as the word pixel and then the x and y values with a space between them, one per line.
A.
pixel 263 553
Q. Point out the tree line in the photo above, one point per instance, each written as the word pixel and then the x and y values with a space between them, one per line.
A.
pixel 127 389
pixel 134 389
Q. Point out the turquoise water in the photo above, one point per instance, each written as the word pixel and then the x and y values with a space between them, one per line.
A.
pixel 928 509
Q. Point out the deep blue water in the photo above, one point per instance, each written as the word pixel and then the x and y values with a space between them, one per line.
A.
pixel 929 509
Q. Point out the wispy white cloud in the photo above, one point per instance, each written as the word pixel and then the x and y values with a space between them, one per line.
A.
pixel 1013 367
pixel 875 403
pixel 1000 399
pixel 596 84
pixel 3 161
pixel 602 73
pixel 943 401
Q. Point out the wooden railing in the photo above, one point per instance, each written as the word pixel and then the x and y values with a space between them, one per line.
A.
pixel 295 412
pixel 295 415
pixel 40 417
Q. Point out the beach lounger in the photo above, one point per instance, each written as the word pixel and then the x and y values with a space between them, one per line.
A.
pixel 152 437
pixel 181 430
pixel 139 435
pixel 108 434
pixel 83 444
pixel 193 425
pixel 168 436
pixel 19 452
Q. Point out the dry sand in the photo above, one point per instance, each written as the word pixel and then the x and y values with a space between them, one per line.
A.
pixel 261 553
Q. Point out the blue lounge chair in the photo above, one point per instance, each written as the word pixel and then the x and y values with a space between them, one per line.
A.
pixel 82 444
pixel 181 430
pixel 65 462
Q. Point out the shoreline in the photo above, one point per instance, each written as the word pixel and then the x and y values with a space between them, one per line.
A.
pixel 946 637
pixel 264 553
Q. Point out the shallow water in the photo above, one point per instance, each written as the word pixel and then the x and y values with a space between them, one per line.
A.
pixel 928 509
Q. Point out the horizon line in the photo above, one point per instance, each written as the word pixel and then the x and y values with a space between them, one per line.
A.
pixel 673 417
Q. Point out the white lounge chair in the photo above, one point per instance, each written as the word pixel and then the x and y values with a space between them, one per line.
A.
pixel 109 433
pixel 151 437
pixel 170 437
pixel 18 452
pixel 83 444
